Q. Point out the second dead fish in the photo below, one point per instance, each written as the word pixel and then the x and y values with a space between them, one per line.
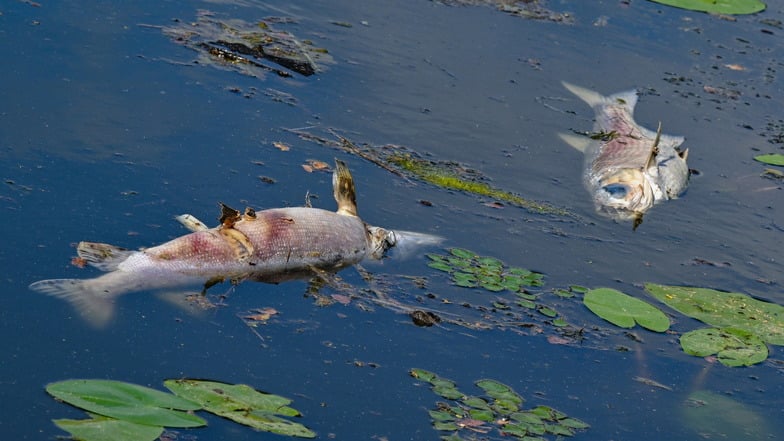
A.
pixel 628 168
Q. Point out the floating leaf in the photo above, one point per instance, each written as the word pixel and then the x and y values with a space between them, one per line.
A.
pixel 242 404
pixel 526 304
pixel 475 402
pixel 725 309
pixel 108 429
pixel 462 253
pixel 127 402
pixel 549 312
pixel 771 159
pixel 422 374
pixel 623 310
pixel 717 6
pixel 441 266
pixel 440 415
pixel 734 347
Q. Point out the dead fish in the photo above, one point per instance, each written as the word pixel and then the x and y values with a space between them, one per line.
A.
pixel 628 168
pixel 266 246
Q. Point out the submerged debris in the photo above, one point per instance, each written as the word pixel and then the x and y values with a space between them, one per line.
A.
pixel 250 48
pixel 531 9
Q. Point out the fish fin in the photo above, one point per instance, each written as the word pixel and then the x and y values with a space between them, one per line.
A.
pixel 651 162
pixel 95 306
pixel 591 98
pixel 190 222
pixel 578 142
pixel 103 256
pixel 229 216
pixel 595 99
pixel 343 188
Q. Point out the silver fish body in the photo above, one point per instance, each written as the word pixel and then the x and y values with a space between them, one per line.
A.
pixel 628 168
pixel 266 246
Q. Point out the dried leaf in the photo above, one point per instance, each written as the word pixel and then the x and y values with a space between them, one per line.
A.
pixel 281 146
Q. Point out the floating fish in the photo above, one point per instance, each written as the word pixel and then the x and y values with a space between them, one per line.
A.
pixel 628 168
pixel 266 246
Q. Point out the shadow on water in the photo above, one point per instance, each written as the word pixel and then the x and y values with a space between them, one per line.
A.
pixel 108 130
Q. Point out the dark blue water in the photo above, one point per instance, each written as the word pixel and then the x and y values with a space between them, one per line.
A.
pixel 108 130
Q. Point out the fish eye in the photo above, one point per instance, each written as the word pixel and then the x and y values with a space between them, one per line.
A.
pixel 616 190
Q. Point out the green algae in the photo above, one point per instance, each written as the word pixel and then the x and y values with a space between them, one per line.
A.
pixel 442 176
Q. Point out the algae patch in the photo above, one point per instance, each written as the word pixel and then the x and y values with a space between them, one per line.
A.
pixel 441 175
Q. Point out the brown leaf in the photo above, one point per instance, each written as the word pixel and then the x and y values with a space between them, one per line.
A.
pixel 281 146
pixel 260 315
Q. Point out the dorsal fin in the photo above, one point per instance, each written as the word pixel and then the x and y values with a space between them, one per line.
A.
pixel 654 150
pixel 228 215
pixel 103 256
pixel 343 188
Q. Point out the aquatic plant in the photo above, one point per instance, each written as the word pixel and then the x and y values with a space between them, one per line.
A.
pixel 123 411
pixel 497 413
pixel 624 310
pixel 730 7
pixel 441 175
pixel 771 159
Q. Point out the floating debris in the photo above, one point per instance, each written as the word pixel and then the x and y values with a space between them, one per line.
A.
pixel 531 9
pixel 407 163
pixel 252 48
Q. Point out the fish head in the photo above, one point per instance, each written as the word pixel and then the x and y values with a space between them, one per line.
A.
pixel 380 240
pixel 624 194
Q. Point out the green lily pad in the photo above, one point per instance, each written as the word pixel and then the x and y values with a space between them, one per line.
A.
pixel 242 404
pixel 717 6
pixel 108 429
pixel 734 347
pixel 624 311
pixel 127 402
pixel 725 309
pixel 771 159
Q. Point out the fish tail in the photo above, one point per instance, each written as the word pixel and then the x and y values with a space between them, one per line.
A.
pixel 103 256
pixel 343 187
pixel 595 99
pixel 95 305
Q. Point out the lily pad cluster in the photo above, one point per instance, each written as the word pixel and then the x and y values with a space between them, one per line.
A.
pixel 123 411
pixel 497 413
pixel 470 270
pixel 741 324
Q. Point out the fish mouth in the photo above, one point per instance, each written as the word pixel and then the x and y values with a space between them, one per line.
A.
pixel 624 194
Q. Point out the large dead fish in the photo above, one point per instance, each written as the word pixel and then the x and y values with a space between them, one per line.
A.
pixel 265 246
pixel 628 168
